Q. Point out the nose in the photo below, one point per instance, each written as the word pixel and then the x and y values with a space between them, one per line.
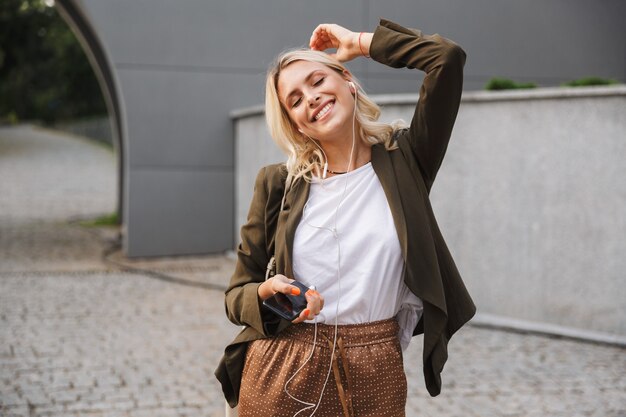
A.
pixel 313 99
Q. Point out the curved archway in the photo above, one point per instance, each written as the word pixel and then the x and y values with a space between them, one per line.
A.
pixel 101 64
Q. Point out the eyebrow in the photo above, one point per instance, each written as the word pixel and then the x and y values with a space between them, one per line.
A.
pixel 306 80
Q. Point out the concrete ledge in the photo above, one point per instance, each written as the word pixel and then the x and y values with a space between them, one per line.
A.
pixel 478 96
pixel 525 326
pixel 514 95
pixel 244 112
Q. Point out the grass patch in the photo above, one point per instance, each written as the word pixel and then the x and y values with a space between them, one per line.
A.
pixel 106 220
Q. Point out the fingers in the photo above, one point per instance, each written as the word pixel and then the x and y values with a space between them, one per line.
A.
pixel 315 304
pixel 315 301
pixel 330 35
pixel 324 37
pixel 303 316
pixel 282 284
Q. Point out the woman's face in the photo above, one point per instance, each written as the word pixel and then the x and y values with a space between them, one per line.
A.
pixel 318 100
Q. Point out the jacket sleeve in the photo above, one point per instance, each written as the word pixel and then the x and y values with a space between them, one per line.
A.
pixel 243 306
pixel 442 60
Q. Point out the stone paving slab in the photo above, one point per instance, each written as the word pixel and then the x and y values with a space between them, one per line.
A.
pixel 48 175
pixel 118 344
pixel 109 342
pixel 47 246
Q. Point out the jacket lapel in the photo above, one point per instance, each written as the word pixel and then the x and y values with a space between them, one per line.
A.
pixel 295 201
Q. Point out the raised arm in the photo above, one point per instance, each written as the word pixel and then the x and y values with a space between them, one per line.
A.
pixel 442 60
pixel 396 46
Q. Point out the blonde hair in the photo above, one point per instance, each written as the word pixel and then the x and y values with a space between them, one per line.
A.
pixel 304 157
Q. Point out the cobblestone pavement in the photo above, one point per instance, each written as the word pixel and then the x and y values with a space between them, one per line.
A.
pixel 87 335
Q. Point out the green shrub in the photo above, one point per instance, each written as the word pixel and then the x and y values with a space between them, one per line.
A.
pixel 586 81
pixel 506 84
pixel 9 119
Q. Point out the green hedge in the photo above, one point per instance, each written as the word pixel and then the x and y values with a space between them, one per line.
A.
pixel 497 83
pixel 506 84
pixel 587 81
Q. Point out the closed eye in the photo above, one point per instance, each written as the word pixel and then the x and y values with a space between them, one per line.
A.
pixel 316 83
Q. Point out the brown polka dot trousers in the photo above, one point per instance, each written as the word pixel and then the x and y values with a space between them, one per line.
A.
pixel 362 376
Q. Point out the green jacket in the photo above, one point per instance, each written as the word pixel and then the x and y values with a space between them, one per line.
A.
pixel 406 175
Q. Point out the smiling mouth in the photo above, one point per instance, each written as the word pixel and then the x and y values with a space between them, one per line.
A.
pixel 323 111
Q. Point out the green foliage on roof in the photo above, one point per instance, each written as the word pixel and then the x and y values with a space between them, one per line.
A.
pixel 506 84
pixel 589 81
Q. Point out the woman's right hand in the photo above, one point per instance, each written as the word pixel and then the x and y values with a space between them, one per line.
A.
pixel 282 284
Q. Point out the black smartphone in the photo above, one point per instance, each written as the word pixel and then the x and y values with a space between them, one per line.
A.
pixel 286 305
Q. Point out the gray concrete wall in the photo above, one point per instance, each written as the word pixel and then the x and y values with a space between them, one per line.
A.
pixel 531 199
pixel 183 66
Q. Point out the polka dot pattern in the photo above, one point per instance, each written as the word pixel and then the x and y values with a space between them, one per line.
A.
pixel 375 383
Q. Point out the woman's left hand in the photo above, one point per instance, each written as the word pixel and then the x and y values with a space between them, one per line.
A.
pixel 330 35
pixel 315 304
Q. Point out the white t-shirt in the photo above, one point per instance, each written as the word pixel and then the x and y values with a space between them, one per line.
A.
pixel 358 270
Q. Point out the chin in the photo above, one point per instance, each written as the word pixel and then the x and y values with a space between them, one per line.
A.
pixel 333 125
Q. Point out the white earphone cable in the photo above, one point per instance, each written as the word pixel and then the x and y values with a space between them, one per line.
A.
pixel 335 234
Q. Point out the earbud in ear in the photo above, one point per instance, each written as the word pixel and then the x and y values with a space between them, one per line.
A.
pixel 352 86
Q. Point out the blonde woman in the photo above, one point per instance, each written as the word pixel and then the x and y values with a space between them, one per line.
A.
pixel 348 215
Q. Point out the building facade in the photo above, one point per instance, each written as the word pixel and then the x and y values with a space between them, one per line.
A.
pixel 174 71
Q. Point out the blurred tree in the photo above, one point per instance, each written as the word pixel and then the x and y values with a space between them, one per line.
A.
pixel 44 73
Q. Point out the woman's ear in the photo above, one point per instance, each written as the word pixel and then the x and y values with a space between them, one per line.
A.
pixel 348 77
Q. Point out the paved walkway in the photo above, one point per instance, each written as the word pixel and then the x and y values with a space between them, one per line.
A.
pixel 81 335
